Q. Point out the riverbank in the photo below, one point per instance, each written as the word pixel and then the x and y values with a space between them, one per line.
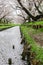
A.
pixel 36 48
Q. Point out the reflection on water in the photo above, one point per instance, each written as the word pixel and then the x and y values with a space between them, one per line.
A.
pixel 10 47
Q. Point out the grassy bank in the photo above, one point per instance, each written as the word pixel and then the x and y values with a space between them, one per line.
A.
pixel 34 23
pixel 6 26
pixel 27 31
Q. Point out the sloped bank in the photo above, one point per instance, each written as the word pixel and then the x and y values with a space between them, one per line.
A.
pixel 6 26
pixel 32 53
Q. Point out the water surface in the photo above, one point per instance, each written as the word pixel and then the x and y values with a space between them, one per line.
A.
pixel 10 47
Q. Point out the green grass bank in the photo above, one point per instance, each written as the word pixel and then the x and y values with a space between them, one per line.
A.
pixel 6 26
pixel 27 32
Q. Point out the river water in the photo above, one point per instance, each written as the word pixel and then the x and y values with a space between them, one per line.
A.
pixel 10 47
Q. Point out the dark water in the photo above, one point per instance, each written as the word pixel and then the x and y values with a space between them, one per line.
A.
pixel 10 47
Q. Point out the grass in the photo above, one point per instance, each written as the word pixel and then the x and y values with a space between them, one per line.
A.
pixel 35 47
pixel 6 26
pixel 35 23
pixel 39 23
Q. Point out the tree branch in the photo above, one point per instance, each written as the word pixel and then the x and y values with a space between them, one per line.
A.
pixel 37 7
pixel 28 13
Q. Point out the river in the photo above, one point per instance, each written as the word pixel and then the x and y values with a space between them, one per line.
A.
pixel 10 47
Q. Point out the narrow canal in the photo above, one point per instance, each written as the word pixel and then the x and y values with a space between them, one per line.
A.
pixel 10 47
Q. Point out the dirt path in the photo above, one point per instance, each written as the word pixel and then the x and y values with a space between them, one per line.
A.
pixel 38 38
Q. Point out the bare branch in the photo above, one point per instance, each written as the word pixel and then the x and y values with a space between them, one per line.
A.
pixel 37 7
pixel 28 13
